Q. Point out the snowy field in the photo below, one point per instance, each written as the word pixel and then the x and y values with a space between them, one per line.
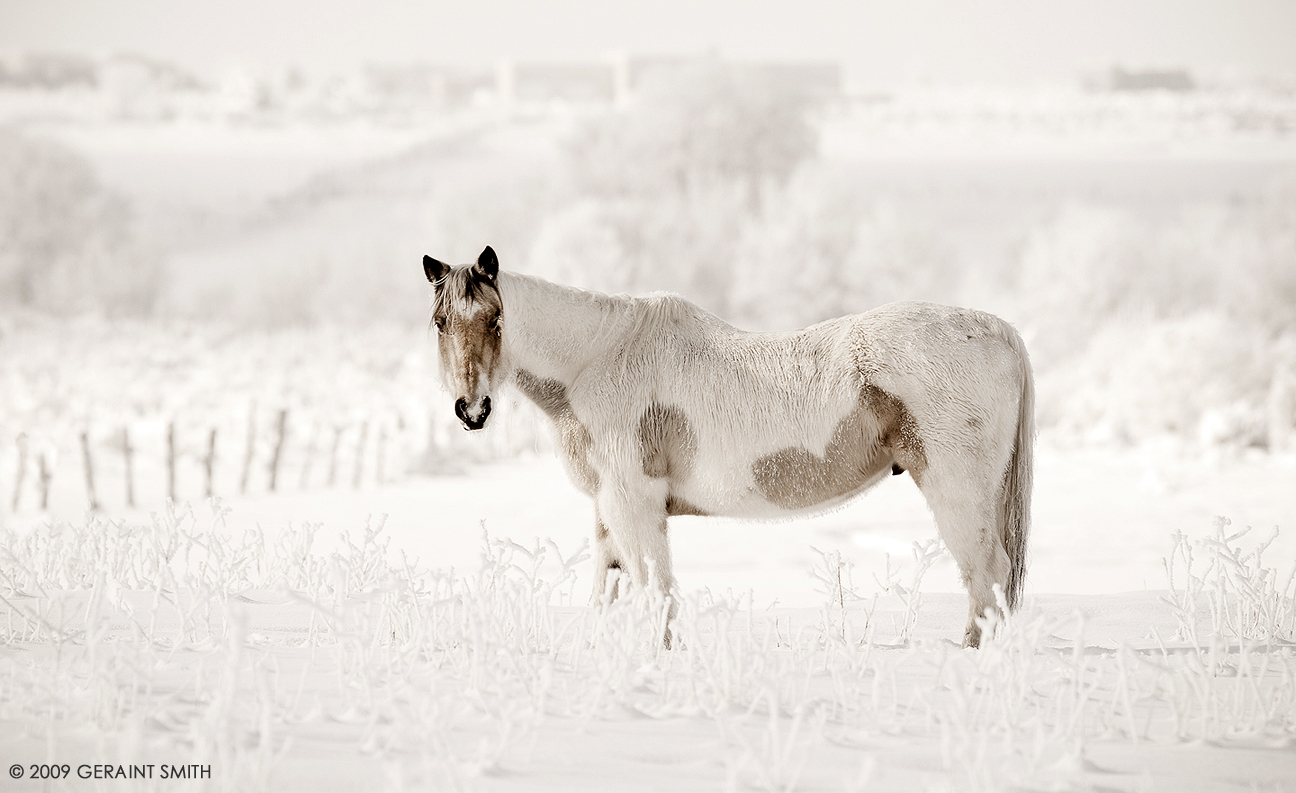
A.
pixel 379 639
pixel 376 600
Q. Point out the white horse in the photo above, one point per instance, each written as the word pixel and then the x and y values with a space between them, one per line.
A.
pixel 660 409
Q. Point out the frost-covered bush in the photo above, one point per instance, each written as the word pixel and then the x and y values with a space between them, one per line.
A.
pixel 676 242
pixel 1092 264
pixel 259 652
pixel 346 248
pixel 66 242
pixel 666 187
pixel 821 248
pixel 693 126
pixel 1200 377
pixel 1183 326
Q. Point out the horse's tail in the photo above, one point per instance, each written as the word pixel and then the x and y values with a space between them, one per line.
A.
pixel 1015 504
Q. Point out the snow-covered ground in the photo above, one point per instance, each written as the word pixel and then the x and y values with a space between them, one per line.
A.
pixel 286 642
pixel 1087 504
pixel 424 657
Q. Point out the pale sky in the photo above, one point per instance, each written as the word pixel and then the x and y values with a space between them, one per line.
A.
pixel 878 42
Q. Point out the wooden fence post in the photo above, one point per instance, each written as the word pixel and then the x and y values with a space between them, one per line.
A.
pixel 333 455
pixel 251 444
pixel 128 453
pixel 21 440
pixel 209 461
pixel 309 462
pixel 45 475
pixel 281 427
pixel 171 461
pixel 89 471
pixel 359 460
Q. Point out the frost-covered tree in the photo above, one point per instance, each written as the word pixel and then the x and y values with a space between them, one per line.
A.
pixel 65 240
pixel 697 125
pixel 668 183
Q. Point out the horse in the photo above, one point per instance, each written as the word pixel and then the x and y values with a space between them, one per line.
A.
pixel 659 408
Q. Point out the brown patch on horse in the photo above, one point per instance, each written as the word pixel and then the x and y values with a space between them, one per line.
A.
pixel 678 506
pixel 573 438
pixel 902 437
pixel 667 442
pixel 875 436
pixel 669 446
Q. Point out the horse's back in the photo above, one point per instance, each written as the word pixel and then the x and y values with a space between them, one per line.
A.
pixel 922 345
pixel 797 420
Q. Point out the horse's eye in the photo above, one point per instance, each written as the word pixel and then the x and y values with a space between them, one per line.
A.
pixel 440 324
pixel 496 325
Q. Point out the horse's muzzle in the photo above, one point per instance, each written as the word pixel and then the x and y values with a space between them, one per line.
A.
pixel 469 422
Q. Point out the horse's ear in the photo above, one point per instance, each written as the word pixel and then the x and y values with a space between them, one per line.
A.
pixel 433 269
pixel 488 263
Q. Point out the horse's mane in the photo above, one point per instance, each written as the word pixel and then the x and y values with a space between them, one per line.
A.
pixel 631 316
pixel 662 310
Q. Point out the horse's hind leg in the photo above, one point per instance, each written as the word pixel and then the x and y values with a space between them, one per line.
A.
pixel 966 511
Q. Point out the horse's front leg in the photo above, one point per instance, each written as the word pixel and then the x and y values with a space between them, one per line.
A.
pixel 632 510
pixel 605 559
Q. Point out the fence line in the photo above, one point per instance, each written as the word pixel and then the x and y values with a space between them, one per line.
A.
pixel 360 451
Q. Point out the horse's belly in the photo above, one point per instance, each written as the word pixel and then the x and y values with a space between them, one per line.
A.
pixel 746 496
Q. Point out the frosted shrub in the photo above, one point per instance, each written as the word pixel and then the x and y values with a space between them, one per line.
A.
pixel 251 646
pixel 1142 325
pixel 1075 271
pixel 823 248
pixel 665 187
pixel 1246 601
pixel 1091 263
pixel 1201 377
pixel 695 125
pixel 579 245
pixel 66 242
pixel 791 261
pixel 681 242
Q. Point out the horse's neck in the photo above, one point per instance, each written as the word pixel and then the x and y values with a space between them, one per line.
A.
pixel 553 330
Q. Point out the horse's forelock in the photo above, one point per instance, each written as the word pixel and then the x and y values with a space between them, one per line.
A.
pixel 463 291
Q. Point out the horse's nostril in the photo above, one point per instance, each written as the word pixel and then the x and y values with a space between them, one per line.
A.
pixel 469 421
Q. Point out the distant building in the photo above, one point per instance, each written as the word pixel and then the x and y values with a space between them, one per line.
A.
pixel 615 80
pixel 582 83
pixel 819 79
pixel 141 87
pixel 47 71
pixel 1120 79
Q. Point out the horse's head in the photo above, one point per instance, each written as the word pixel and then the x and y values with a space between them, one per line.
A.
pixel 467 312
